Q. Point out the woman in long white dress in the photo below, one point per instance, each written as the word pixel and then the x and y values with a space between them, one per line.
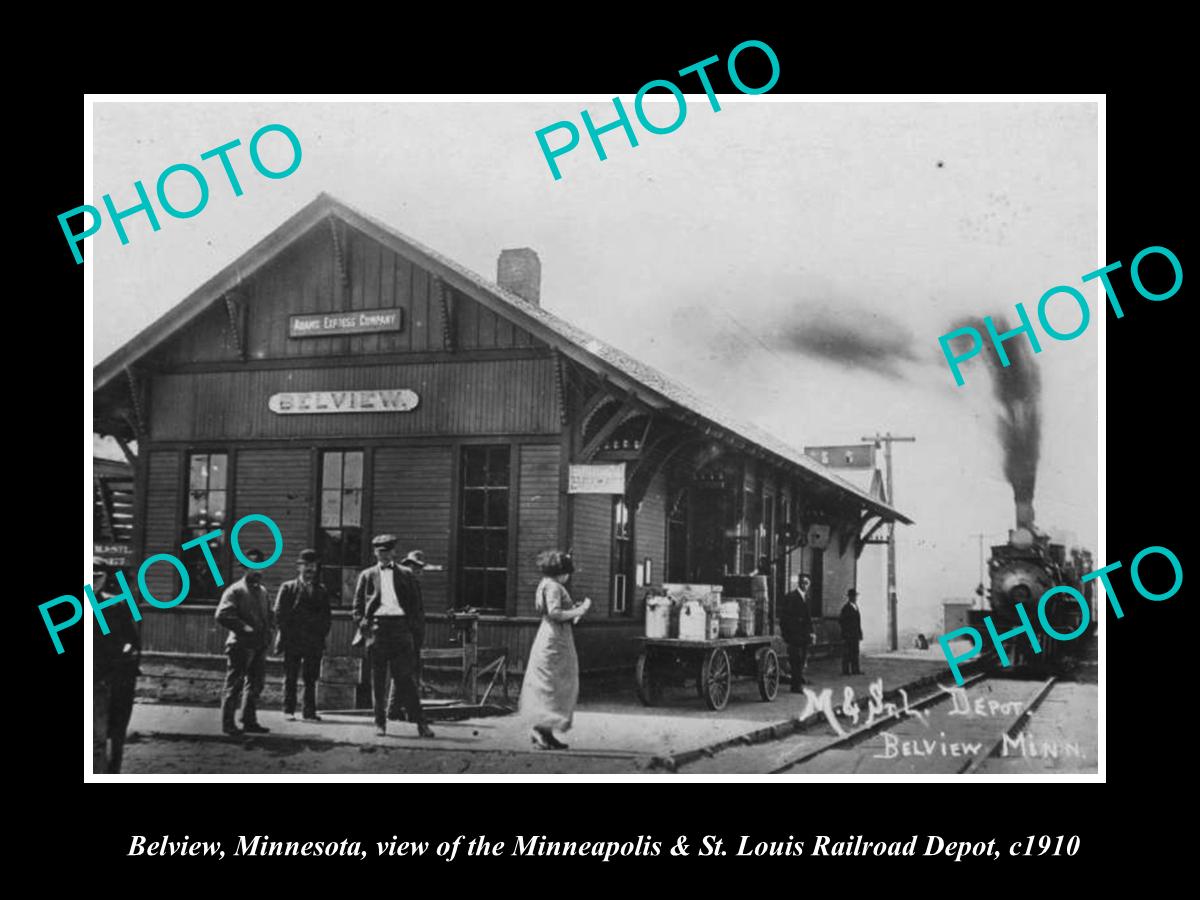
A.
pixel 551 686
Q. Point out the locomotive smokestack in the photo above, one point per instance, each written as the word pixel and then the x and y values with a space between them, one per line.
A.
pixel 1025 514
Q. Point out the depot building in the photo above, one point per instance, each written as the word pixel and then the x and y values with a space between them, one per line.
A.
pixel 345 381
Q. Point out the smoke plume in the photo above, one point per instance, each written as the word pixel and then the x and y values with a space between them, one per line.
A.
pixel 1018 390
pixel 852 338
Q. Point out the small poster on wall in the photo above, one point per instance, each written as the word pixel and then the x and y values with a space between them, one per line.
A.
pixel 597 478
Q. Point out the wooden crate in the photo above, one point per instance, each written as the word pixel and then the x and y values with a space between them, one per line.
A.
pixel 337 696
pixel 341 669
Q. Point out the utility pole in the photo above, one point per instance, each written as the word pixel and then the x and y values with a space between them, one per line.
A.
pixel 887 440
pixel 979 591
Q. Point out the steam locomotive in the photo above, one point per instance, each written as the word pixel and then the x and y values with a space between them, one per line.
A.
pixel 1021 571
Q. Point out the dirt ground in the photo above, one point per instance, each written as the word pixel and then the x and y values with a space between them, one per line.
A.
pixel 167 755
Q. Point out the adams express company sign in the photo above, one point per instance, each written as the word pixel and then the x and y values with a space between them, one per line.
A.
pixel 301 402
pixel 362 321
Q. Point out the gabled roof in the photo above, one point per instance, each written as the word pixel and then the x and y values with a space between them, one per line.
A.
pixel 648 384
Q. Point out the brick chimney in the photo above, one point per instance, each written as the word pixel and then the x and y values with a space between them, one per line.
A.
pixel 520 271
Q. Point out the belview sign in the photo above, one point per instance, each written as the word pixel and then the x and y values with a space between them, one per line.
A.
pixel 301 402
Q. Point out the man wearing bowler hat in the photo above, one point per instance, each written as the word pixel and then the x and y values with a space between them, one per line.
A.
pixel 388 610
pixel 851 621
pixel 245 609
pixel 795 624
pixel 304 615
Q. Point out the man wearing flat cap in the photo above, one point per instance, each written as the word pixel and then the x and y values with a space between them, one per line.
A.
pixel 245 610
pixel 304 615
pixel 388 610
pixel 414 563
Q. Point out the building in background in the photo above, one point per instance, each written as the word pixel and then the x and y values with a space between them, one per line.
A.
pixel 344 381
pixel 857 464
pixel 959 613
pixel 113 505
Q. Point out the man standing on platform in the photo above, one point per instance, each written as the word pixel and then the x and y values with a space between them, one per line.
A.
pixel 245 609
pixel 304 615
pixel 414 563
pixel 114 669
pixel 851 622
pixel 388 610
pixel 795 624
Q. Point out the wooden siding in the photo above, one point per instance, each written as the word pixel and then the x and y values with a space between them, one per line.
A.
pixel 840 575
pixel 592 545
pixel 163 521
pixel 304 279
pixel 537 521
pixel 515 396
pixel 277 484
pixel 650 528
pixel 412 499
pixel 601 645
pixel 183 629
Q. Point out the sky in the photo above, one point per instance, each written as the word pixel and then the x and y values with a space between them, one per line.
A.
pixel 793 261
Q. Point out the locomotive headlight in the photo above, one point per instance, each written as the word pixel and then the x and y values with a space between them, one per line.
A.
pixel 1020 593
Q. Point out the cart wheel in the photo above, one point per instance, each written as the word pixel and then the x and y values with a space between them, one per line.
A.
pixel 767 662
pixel 647 688
pixel 717 678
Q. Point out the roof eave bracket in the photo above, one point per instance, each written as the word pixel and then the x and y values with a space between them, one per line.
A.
pixel 339 254
pixel 235 311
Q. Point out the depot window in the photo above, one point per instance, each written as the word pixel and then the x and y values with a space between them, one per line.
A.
pixel 622 557
pixel 484 477
pixel 207 510
pixel 339 531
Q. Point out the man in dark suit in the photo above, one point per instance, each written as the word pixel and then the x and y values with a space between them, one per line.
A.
pixel 851 622
pixel 304 615
pixel 389 611
pixel 245 609
pixel 114 670
pixel 795 624
pixel 414 563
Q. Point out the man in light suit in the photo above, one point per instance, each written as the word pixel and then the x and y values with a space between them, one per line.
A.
pixel 245 610
pixel 389 612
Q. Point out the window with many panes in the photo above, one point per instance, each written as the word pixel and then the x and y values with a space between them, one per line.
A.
pixel 207 509
pixel 622 556
pixel 483 528
pixel 677 540
pixel 339 533
pixel 752 513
